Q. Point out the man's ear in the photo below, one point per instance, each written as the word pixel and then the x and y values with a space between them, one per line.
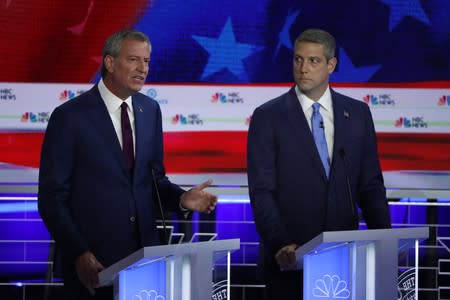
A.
pixel 332 62
pixel 108 61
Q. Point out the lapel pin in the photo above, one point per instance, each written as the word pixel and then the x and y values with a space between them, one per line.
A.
pixel 346 114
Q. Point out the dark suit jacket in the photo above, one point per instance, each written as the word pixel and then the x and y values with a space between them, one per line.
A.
pixel 292 199
pixel 86 197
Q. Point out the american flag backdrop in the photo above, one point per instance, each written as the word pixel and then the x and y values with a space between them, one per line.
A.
pixel 387 43
pixel 222 41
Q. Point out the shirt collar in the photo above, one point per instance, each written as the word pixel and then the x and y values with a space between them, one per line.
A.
pixel 306 102
pixel 112 102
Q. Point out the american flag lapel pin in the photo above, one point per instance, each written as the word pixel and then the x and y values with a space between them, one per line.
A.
pixel 346 114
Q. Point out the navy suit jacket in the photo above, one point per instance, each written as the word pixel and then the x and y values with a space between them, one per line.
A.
pixel 292 199
pixel 86 197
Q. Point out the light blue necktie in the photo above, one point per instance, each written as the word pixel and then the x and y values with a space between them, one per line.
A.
pixel 318 131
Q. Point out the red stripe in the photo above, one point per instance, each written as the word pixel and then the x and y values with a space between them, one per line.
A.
pixel 225 151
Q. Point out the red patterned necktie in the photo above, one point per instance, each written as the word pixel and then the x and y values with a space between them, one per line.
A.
pixel 127 137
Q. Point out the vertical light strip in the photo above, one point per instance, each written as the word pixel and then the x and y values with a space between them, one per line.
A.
pixel 228 274
pixel 370 272
pixel 172 278
pixel 186 278
pixel 416 267
pixel 353 253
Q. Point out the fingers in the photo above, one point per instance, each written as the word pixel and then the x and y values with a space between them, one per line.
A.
pixel 212 205
pixel 87 267
pixel 285 257
pixel 199 200
pixel 204 185
pixel 210 202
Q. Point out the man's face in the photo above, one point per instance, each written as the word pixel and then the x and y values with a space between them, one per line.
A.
pixel 311 69
pixel 128 70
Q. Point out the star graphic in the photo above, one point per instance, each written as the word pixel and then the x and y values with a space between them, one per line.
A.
pixel 226 53
pixel 79 28
pixel 349 73
pixel 284 38
pixel 403 8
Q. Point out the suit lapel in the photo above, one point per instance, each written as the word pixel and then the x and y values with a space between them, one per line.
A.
pixel 139 125
pixel 297 120
pixel 99 116
pixel 340 116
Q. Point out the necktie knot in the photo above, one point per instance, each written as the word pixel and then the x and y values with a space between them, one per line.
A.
pixel 316 107
pixel 124 106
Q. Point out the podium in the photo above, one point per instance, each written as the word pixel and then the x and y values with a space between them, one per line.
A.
pixel 359 264
pixel 178 271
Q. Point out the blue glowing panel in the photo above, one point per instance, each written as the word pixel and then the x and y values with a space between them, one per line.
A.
pixel 327 274
pixel 145 282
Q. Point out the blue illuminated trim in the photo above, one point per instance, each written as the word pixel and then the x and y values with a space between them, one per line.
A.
pixel 233 199
pixel 18 207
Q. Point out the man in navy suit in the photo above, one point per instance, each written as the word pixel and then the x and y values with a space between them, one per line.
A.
pixel 100 153
pixel 297 182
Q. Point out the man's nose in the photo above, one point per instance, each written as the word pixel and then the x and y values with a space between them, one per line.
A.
pixel 142 67
pixel 303 67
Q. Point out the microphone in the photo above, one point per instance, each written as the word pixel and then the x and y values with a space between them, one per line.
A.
pixel 347 178
pixel 321 125
pixel 160 205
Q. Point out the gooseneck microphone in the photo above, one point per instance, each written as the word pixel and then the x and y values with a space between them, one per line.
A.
pixel 349 190
pixel 160 205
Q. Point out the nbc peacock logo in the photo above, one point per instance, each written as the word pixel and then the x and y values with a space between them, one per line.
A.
pixel 381 100
pixel 66 95
pixel 331 287
pixel 229 98
pixel 148 295
pixel 444 100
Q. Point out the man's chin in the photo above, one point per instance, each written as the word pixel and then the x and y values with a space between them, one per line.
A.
pixel 137 87
pixel 303 88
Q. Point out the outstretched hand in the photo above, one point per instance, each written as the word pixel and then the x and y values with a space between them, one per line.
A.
pixel 199 200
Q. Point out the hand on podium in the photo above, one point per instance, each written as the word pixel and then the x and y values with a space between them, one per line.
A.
pixel 199 200
pixel 88 267
pixel 285 257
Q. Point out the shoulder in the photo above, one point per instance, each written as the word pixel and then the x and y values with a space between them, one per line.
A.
pixel 79 104
pixel 348 102
pixel 276 104
pixel 145 102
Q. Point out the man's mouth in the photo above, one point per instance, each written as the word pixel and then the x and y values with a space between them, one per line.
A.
pixel 138 77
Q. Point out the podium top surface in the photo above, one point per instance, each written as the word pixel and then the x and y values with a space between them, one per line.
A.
pixel 217 249
pixel 330 238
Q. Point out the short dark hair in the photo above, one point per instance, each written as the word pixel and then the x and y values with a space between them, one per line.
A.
pixel 114 43
pixel 321 37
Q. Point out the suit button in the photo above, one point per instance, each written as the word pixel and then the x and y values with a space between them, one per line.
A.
pixel 132 219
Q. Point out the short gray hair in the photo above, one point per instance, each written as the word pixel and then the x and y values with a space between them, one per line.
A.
pixel 321 37
pixel 114 43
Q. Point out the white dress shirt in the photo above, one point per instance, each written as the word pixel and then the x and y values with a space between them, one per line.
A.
pixel 113 104
pixel 326 110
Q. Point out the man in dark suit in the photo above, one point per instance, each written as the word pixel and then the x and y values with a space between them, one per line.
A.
pixel 100 153
pixel 302 147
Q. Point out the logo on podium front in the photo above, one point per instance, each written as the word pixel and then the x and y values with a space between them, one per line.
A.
pixel 148 295
pixel 331 287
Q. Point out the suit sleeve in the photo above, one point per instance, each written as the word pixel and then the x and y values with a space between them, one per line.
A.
pixel 262 181
pixel 170 193
pixel 372 192
pixel 57 160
